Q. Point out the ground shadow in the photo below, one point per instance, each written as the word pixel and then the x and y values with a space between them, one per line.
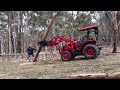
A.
pixel 76 59
pixel 80 58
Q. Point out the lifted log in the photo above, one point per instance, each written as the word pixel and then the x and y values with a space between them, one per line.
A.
pixel 95 76
pixel 46 34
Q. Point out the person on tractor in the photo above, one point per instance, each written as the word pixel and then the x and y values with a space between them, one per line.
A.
pixel 30 51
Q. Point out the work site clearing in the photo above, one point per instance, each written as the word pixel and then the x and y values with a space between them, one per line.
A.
pixel 106 62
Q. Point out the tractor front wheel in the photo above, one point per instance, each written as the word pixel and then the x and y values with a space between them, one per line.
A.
pixel 90 51
pixel 66 56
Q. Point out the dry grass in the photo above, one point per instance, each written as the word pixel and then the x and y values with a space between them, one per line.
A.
pixel 105 63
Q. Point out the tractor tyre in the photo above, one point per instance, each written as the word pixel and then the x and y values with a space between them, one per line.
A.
pixel 66 56
pixel 90 51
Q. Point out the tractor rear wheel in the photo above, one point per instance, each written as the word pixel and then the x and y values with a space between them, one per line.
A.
pixel 90 51
pixel 66 56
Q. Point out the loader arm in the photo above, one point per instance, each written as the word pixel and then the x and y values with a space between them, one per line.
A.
pixel 68 46
pixel 59 39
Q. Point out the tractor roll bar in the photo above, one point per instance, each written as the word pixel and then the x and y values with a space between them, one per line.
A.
pixel 88 28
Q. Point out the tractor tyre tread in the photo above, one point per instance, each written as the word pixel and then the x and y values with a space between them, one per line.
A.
pixel 69 54
pixel 96 51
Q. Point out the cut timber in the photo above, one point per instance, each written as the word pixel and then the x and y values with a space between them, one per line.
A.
pixel 95 76
pixel 46 34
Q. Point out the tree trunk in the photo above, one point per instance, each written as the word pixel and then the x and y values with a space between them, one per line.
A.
pixel 108 26
pixel 115 33
pixel 54 33
pixel 19 44
pixel 0 47
pixel 72 30
pixel 118 19
pixel 22 33
pixel 25 35
pixel 12 42
pixel 1 42
pixel 9 35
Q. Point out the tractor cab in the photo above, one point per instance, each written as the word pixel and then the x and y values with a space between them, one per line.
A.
pixel 90 31
pixel 92 34
pixel 90 38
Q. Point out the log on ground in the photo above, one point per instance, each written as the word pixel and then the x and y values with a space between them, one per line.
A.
pixel 95 76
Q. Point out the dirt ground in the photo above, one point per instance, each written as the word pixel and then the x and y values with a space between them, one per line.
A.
pixel 107 62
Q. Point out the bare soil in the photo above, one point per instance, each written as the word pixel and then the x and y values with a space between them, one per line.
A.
pixel 107 62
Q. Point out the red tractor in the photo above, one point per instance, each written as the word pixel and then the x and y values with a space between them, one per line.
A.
pixel 86 46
